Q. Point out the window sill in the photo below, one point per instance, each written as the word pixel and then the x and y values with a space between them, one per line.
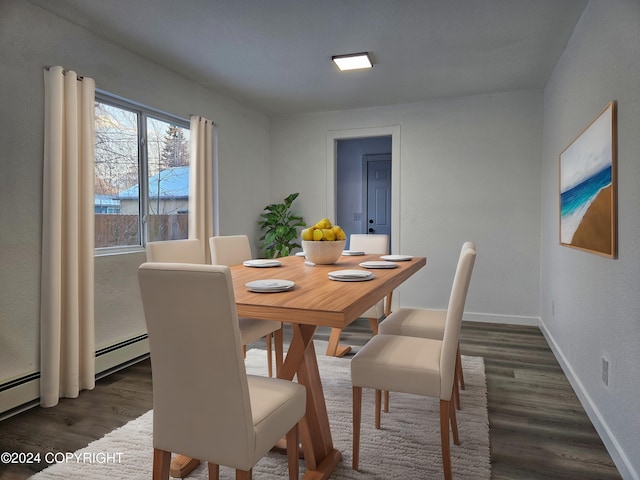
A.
pixel 110 251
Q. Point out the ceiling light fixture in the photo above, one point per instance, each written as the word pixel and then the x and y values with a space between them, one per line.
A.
pixel 353 61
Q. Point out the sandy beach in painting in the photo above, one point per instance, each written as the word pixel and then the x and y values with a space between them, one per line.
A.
pixel 594 231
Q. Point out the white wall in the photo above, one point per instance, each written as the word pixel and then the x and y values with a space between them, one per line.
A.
pixel 597 300
pixel 30 39
pixel 470 170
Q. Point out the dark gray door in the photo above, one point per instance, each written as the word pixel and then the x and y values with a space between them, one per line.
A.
pixel 379 194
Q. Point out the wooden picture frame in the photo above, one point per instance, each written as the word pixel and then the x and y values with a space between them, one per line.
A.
pixel 588 187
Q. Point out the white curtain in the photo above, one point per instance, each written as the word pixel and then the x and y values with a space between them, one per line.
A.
pixel 67 353
pixel 201 183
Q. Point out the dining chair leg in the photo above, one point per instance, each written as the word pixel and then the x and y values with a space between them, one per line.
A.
pixel 278 339
pixel 445 406
pixel 244 474
pixel 214 471
pixel 161 464
pixel 455 393
pixel 378 407
pixel 373 323
pixel 454 426
pixel 244 351
pixel 459 372
pixel 386 401
pixel 357 416
pixel 292 452
pixel 269 355
pixel 387 304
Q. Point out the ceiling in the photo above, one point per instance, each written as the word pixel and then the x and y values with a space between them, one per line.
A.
pixel 275 55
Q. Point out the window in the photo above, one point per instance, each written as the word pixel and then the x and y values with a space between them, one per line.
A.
pixel 141 174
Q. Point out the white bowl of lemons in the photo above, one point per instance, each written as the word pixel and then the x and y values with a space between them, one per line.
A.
pixel 323 243
pixel 323 253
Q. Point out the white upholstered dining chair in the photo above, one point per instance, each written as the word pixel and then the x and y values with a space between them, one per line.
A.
pixel 205 406
pixel 420 366
pixel 424 323
pixel 191 251
pixel 367 243
pixel 178 251
pixel 233 250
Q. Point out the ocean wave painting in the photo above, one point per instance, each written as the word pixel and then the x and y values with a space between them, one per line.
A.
pixel 587 196
pixel 576 201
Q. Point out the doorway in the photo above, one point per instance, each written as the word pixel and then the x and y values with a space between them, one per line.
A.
pixel 332 139
pixel 364 184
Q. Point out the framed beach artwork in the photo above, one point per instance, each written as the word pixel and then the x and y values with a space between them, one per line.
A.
pixel 588 187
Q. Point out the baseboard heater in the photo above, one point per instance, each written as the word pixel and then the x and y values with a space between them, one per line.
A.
pixel 121 355
pixel 22 393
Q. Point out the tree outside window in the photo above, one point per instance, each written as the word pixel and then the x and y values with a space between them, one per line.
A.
pixel 131 144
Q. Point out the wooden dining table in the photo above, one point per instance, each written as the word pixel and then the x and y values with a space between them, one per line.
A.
pixel 314 301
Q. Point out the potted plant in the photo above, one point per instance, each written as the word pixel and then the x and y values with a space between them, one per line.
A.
pixel 280 226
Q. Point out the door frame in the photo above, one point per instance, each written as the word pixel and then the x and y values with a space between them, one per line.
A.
pixel 331 161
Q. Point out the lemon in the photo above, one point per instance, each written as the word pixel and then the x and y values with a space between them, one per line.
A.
pixel 327 234
pixel 324 223
pixel 307 233
pixel 317 234
pixel 339 233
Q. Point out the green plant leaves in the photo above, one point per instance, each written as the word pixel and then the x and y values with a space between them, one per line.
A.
pixel 280 225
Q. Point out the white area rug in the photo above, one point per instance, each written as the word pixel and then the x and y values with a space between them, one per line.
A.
pixel 407 445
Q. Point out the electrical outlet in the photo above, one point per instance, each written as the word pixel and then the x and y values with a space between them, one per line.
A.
pixel 357 217
pixel 553 308
pixel 605 371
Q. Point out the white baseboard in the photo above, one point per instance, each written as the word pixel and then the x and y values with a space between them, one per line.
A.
pixel 612 445
pixel 505 319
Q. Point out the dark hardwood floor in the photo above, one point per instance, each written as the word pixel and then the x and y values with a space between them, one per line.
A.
pixel 538 429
